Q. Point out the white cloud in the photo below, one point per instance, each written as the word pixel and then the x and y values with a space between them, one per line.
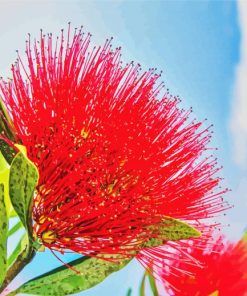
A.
pixel 238 122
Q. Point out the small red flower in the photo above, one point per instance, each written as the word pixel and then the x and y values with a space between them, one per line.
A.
pixel 223 271
pixel 114 155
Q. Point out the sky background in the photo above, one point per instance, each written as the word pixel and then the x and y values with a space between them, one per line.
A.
pixel 199 46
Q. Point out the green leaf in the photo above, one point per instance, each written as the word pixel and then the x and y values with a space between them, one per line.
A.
pixel 171 230
pixel 22 244
pixel 7 151
pixel 65 281
pixel 23 179
pixel 142 286
pixel 15 228
pixel 6 125
pixel 4 179
pixel 92 271
pixel 129 292
pixel 3 163
pixel 153 285
pixel 174 229
pixel 12 213
pixel 3 235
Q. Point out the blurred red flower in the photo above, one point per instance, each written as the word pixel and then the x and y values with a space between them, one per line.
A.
pixel 223 271
pixel 114 154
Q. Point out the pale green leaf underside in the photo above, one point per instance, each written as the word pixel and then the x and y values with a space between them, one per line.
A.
pixel 65 281
pixel 23 179
pixel 3 235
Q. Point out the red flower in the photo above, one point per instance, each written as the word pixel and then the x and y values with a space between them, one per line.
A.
pixel 223 271
pixel 114 156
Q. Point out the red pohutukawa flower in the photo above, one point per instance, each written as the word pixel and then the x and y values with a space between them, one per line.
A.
pixel 114 155
pixel 223 271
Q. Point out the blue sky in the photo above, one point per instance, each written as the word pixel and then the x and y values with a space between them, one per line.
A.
pixel 199 47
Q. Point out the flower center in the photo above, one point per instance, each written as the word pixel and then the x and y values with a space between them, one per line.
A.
pixel 48 237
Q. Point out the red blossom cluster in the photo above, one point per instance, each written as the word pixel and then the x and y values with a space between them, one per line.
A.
pixel 115 152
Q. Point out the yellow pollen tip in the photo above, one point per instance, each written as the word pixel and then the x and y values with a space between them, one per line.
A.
pixel 67 239
pixel 122 162
pixel 41 220
pixel 85 133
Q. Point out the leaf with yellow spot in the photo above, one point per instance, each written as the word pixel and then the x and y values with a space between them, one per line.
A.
pixel 22 149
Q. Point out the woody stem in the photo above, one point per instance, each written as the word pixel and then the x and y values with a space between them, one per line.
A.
pixel 21 261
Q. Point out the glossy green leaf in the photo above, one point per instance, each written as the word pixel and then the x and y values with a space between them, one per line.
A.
pixel 3 235
pixel 153 285
pixel 65 281
pixel 23 179
pixel 171 230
